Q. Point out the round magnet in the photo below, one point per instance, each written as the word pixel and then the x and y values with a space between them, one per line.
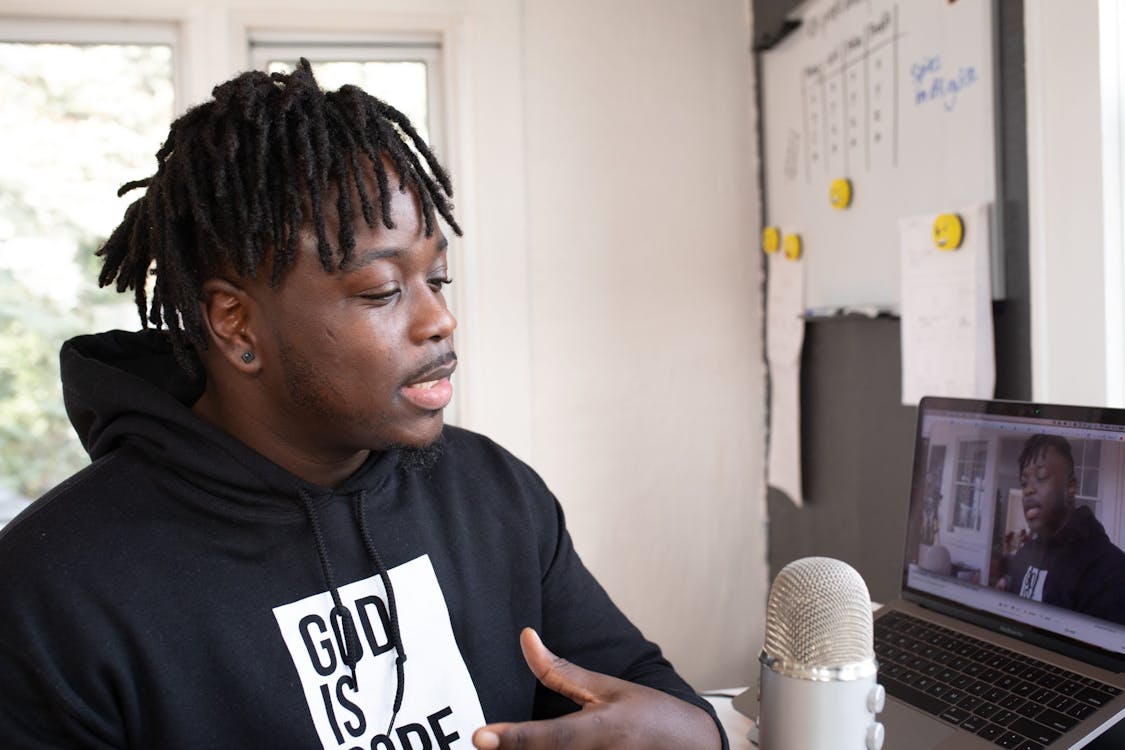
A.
pixel 948 232
pixel 791 246
pixel 840 193
pixel 771 240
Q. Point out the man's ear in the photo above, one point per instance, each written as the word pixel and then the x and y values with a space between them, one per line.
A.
pixel 227 314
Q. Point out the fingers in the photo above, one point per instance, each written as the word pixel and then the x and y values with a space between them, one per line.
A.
pixel 556 673
pixel 572 732
pixel 648 720
pixel 563 733
pixel 488 738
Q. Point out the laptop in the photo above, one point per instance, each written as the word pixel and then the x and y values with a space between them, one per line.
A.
pixel 1009 630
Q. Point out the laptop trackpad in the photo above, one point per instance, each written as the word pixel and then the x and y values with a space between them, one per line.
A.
pixel 908 729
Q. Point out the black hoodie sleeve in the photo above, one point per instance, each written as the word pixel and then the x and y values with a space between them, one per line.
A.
pixel 1098 588
pixel 37 712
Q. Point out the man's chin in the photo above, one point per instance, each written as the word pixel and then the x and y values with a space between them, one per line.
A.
pixel 420 457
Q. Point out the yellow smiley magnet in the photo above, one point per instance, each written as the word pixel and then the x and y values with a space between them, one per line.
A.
pixel 791 246
pixel 840 193
pixel 771 240
pixel 948 232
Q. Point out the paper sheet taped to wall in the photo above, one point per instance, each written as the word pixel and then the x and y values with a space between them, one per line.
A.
pixel 785 336
pixel 947 345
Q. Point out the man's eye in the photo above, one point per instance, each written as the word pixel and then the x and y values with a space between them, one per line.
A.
pixel 383 296
pixel 437 284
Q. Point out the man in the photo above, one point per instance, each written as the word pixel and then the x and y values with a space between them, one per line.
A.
pixel 1068 560
pixel 278 543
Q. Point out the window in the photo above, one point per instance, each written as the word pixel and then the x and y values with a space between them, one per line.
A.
pixel 1087 468
pixel 85 109
pixel 968 484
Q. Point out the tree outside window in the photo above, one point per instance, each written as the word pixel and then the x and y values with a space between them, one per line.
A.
pixel 78 120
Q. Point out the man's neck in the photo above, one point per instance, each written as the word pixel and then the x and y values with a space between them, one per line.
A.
pixel 240 422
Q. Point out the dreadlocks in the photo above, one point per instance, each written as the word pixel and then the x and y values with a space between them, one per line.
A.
pixel 1037 444
pixel 234 182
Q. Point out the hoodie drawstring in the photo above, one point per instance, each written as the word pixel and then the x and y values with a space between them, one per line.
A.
pixel 396 637
pixel 348 641
pixel 349 648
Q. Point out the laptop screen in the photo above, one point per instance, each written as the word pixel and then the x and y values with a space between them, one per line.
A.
pixel 1018 511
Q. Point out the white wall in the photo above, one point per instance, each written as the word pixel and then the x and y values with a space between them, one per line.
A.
pixel 1076 280
pixel 605 167
pixel 647 370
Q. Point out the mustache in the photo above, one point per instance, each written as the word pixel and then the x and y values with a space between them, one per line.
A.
pixel 443 360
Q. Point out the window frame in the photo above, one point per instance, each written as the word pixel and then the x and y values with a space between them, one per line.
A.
pixel 101 31
pixel 973 486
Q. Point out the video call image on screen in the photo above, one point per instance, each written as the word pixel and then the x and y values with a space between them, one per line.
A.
pixel 1023 518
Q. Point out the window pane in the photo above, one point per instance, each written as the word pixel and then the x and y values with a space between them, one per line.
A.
pixel 78 121
pixel 972 457
pixel 1089 486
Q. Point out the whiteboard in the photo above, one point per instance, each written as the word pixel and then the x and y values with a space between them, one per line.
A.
pixel 898 98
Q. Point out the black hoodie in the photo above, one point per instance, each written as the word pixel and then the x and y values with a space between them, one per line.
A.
pixel 184 591
pixel 1078 568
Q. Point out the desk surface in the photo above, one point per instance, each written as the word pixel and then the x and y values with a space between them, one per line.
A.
pixel 735 724
pixel 1110 737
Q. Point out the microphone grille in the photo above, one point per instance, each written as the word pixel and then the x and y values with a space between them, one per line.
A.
pixel 819 615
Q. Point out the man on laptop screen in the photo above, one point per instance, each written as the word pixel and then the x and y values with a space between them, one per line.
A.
pixel 1022 517
pixel 1067 560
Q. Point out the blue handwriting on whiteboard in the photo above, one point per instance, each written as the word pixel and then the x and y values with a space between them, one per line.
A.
pixel 932 84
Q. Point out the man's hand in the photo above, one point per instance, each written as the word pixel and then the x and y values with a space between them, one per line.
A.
pixel 614 714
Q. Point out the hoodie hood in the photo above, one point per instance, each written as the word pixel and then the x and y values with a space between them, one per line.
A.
pixel 1081 527
pixel 126 389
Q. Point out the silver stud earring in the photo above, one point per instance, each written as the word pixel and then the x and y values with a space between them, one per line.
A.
pixel 248 357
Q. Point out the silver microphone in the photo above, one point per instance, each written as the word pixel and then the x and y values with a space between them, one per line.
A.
pixel 818 688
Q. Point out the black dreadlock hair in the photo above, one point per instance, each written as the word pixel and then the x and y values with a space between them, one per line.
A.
pixel 1037 444
pixel 234 181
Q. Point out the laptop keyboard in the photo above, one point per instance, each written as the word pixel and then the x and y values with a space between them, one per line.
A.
pixel 1011 699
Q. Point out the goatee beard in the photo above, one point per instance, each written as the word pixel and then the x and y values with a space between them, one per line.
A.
pixel 420 459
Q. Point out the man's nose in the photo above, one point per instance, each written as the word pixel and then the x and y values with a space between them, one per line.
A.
pixel 432 319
